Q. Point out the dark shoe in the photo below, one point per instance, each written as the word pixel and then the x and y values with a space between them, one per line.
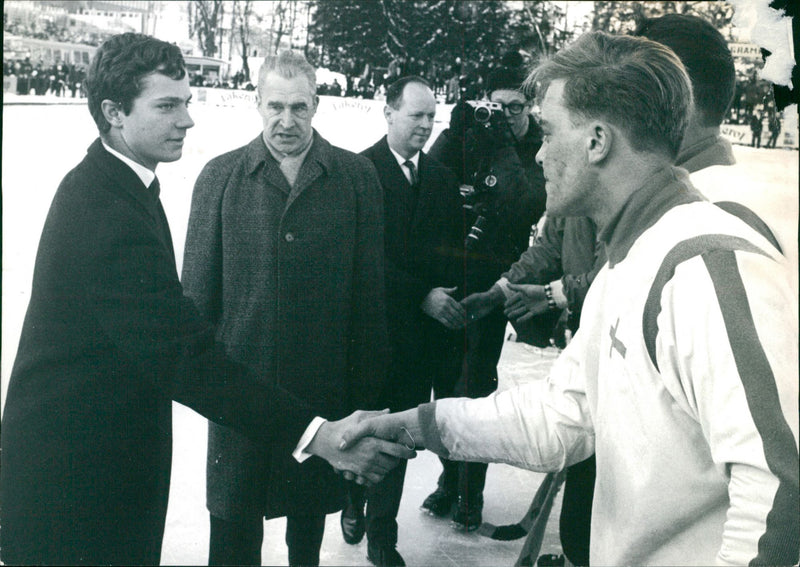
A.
pixel 384 555
pixel 353 525
pixel 467 516
pixel 439 502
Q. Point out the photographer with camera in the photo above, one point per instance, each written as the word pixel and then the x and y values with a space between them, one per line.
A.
pixel 492 149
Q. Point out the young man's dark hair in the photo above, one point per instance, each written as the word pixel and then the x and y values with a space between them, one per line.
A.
pixel 394 94
pixel 710 69
pixel 118 66
pixel 506 78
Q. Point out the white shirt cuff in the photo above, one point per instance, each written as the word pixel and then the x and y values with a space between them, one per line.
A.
pixel 557 288
pixel 299 452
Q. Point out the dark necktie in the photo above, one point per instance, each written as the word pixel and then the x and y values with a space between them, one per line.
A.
pixel 155 187
pixel 412 170
pixel 162 223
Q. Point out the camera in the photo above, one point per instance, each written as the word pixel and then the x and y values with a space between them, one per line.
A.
pixel 479 198
pixel 486 130
pixel 483 110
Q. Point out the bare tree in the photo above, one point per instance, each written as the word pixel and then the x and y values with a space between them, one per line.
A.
pixel 240 28
pixel 205 17
pixel 284 17
pixel 295 10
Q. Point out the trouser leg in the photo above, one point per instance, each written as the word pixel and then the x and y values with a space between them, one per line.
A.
pixel 448 479
pixel 383 503
pixel 478 379
pixel 237 542
pixel 576 511
pixel 356 496
pixel 471 479
pixel 304 539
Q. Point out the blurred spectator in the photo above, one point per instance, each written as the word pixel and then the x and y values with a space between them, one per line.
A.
pixel 452 90
pixel 774 130
pixel 756 127
pixel 396 69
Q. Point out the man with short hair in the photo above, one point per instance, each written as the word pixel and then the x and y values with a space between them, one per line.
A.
pixel 109 341
pixel 756 127
pixel 709 159
pixel 683 376
pixel 424 259
pixel 284 255
pixel 774 129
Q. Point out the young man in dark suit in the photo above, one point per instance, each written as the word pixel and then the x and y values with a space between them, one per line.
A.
pixel 424 259
pixel 109 340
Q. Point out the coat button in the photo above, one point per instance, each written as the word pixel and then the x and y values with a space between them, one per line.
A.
pixel 289 237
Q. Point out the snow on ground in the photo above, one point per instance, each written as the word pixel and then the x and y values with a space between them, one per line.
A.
pixel 41 143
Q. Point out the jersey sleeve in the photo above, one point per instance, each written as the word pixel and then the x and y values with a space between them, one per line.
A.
pixel 542 426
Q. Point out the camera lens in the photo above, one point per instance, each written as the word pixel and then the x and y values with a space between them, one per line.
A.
pixel 482 114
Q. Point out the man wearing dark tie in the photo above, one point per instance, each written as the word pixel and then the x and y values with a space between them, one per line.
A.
pixel 423 242
pixel 109 341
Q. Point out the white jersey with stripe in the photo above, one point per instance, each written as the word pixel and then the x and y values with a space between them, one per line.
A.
pixel 697 373
pixel 683 379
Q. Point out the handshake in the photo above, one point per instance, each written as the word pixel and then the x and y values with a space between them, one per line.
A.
pixel 365 445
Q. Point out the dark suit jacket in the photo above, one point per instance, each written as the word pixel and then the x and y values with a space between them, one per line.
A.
pixel 108 342
pixel 424 231
pixel 293 279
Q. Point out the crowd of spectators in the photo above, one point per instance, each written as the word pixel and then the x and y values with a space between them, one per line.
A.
pixel 458 80
pixel 756 123
pixel 38 76
pixel 60 79
pixel 53 30
pixel 449 82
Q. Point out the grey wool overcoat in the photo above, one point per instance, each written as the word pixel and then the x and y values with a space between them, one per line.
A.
pixel 293 280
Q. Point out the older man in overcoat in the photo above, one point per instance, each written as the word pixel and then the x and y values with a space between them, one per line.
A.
pixel 284 254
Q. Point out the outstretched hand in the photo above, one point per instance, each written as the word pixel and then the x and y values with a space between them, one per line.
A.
pixel 528 301
pixel 479 305
pixel 402 427
pixel 440 305
pixel 365 459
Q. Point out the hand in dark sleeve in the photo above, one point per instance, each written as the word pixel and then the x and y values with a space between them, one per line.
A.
pixel 461 118
pixel 541 262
